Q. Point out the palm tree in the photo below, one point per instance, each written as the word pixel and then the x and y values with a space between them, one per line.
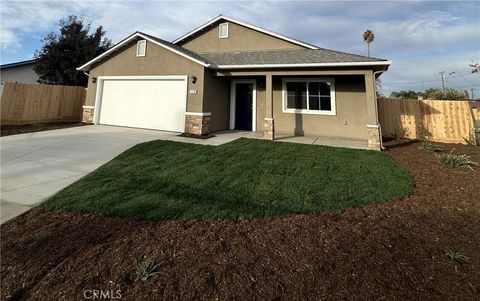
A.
pixel 368 38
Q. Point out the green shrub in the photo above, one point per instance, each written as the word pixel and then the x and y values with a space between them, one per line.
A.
pixel 470 140
pixel 453 160
pixel 453 255
pixel 429 146
pixel 423 133
pixel 40 239
pixel 146 269
pixel 399 132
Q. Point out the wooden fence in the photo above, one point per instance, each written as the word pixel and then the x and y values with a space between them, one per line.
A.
pixel 32 103
pixel 447 121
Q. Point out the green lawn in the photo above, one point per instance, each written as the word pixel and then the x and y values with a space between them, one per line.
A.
pixel 242 179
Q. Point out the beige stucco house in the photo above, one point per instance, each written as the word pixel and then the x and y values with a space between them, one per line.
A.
pixel 227 74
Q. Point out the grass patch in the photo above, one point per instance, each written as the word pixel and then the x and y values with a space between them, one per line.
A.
pixel 243 179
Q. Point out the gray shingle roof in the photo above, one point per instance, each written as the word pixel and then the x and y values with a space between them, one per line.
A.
pixel 301 56
pixel 255 59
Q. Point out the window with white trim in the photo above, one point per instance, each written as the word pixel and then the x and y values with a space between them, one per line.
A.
pixel 141 47
pixel 223 31
pixel 309 96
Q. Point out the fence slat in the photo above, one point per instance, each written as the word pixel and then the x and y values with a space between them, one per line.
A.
pixel 447 121
pixel 32 103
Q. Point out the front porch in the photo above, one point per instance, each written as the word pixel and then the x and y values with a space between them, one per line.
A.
pixel 327 107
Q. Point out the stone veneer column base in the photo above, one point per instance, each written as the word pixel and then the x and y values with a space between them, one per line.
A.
pixel 268 129
pixel 197 123
pixel 87 115
pixel 374 142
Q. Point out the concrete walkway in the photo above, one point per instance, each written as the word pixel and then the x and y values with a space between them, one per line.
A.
pixel 35 166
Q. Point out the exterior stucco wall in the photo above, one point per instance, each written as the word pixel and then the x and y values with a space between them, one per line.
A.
pixel 217 101
pixel 20 74
pixel 240 38
pixel 350 120
pixel 157 61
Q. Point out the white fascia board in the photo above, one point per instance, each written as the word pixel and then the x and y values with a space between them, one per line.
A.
pixel 352 64
pixel 266 31
pixel 132 37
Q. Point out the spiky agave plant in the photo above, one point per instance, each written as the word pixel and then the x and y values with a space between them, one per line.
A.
pixel 146 269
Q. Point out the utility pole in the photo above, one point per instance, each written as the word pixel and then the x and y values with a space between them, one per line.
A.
pixel 443 81
pixel 473 98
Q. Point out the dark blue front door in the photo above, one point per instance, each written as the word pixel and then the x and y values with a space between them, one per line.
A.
pixel 243 106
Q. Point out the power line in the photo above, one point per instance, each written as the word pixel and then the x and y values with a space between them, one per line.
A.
pixel 433 80
pixel 468 80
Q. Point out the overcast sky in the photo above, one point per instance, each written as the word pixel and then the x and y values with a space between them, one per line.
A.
pixel 421 38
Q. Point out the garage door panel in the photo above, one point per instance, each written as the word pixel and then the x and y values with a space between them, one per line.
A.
pixel 144 103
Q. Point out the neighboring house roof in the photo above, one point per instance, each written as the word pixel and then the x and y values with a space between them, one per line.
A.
pixel 172 47
pixel 290 58
pixel 230 19
pixel 18 64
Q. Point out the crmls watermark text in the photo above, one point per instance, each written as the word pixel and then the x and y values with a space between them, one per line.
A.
pixel 94 294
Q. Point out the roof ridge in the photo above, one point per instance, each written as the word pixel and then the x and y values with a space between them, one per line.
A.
pixel 349 53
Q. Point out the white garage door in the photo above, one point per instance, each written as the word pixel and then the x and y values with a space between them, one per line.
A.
pixel 149 103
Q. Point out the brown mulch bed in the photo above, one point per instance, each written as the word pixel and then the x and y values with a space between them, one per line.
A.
pixel 187 135
pixel 387 251
pixel 7 130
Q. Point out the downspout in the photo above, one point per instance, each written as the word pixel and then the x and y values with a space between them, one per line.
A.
pixel 376 105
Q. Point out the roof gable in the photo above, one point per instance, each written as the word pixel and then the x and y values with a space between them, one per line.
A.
pixel 191 34
pixel 167 45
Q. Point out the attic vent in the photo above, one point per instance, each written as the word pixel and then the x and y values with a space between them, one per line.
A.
pixel 141 47
pixel 223 31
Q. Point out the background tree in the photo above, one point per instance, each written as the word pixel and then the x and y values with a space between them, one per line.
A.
pixel 368 38
pixel 448 94
pixel 62 53
pixel 410 94
pixel 432 93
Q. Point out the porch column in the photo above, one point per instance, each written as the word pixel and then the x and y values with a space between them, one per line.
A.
pixel 268 129
pixel 373 127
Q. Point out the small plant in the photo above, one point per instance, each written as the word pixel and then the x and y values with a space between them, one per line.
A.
pixel 453 160
pixel 429 146
pixel 399 132
pixel 423 133
pixel 40 239
pixel 470 140
pixel 453 255
pixel 146 269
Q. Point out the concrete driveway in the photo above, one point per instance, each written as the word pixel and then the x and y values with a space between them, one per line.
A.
pixel 37 165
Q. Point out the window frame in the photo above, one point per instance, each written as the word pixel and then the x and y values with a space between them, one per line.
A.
pixel 220 30
pixel 144 49
pixel 285 109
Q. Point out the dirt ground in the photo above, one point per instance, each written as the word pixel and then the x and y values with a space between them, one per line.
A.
pixel 6 130
pixel 389 251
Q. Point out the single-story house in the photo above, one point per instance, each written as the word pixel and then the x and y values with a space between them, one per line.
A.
pixel 20 72
pixel 228 74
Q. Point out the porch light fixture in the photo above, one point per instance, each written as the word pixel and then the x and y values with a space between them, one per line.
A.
pixel 193 78
pixel 94 79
